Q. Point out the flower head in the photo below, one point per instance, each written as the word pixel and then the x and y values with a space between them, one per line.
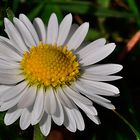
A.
pixel 46 73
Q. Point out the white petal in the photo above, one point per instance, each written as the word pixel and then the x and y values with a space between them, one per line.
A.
pixel 69 121
pixel 86 108
pixel 58 116
pixel 100 88
pixel 94 77
pixel 97 99
pixel 74 95
pixel 95 119
pixel 12 115
pixel 93 46
pixel 52 30
pixel 28 98
pixel 10 71
pixel 100 54
pixel 103 86
pixel 65 101
pixel 5 57
pixel 26 35
pixel 64 29
pixel 10 79
pixel 79 119
pixel 73 28
pixel 3 88
pixel 41 30
pixel 25 119
pixel 13 91
pixel 104 69
pixel 38 109
pixel 30 27
pixel 12 102
pixel 45 124
pixel 78 36
pixel 50 101
pixel 14 35
pixel 101 101
pixel 6 50
pixel 8 64
pixel 11 45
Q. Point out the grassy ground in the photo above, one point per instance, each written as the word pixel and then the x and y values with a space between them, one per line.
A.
pixel 117 21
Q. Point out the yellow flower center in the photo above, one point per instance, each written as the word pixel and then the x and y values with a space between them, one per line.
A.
pixel 49 65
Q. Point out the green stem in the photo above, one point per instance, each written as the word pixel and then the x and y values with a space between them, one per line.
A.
pixel 37 133
pixel 137 134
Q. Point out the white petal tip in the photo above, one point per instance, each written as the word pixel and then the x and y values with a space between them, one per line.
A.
pixel 69 16
pixel 111 107
pixel 33 122
pixel 86 24
pixel 112 46
pixel 116 95
pixel 98 123
pixel 97 120
pixel 6 20
pixel 53 15
pixel 23 128
pixel 21 15
pixel 120 67
pixel 103 39
pixel 7 122
pixel 117 91
pixel 15 19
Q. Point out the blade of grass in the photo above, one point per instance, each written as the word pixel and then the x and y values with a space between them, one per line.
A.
pixel 137 134
pixel 133 6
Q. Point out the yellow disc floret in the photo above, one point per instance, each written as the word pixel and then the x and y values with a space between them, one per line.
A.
pixel 49 65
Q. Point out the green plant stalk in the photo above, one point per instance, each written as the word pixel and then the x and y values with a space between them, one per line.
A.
pixel 137 134
pixel 37 134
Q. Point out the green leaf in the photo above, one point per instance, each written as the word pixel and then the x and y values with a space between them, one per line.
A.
pixel 74 8
pixel 37 133
pixel 49 9
pixel 1 118
pixel 121 136
pixel 34 13
pixel 133 6
pixel 93 34
pixel 104 3
pixel 15 5
pixel 79 7
pixel 10 13
pixel 104 12
pixel 94 137
pixel 1 22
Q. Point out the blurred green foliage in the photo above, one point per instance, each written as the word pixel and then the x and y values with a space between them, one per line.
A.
pixel 116 20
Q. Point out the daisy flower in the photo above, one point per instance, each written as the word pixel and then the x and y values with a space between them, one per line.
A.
pixel 47 73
